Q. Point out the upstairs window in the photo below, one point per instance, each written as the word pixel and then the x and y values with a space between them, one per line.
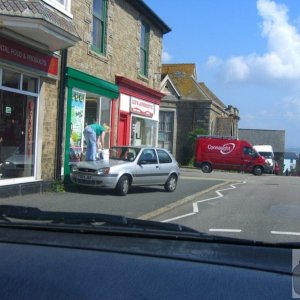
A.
pixel 99 26
pixel 144 49
pixel 62 5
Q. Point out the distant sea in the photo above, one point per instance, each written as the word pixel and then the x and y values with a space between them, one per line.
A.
pixel 293 149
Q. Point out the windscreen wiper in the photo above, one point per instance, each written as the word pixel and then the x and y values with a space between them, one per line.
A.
pixel 76 218
pixel 96 222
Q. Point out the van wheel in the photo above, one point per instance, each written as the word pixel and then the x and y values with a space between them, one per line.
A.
pixel 123 186
pixel 171 183
pixel 257 170
pixel 206 168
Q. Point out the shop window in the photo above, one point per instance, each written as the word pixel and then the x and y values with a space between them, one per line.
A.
pixel 87 108
pixel 11 79
pixel 143 132
pixel 144 49
pixel 29 84
pixel 17 125
pixel 99 26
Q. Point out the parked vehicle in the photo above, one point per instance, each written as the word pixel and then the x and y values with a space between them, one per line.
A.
pixel 216 152
pixel 128 166
pixel 267 152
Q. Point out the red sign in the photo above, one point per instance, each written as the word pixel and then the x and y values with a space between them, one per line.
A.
pixel 15 52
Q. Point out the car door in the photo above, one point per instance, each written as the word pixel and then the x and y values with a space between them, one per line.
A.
pixel 166 164
pixel 147 171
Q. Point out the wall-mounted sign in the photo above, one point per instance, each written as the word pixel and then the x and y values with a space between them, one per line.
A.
pixel 17 53
pixel 77 124
pixel 142 107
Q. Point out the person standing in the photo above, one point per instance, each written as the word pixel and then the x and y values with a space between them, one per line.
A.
pixel 94 136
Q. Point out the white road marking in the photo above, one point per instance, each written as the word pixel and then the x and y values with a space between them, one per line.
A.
pixel 285 232
pixel 195 204
pixel 224 230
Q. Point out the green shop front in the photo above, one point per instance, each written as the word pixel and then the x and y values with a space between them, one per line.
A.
pixel 89 99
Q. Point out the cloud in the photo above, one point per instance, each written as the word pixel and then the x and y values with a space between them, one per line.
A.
pixel 166 57
pixel 291 106
pixel 282 58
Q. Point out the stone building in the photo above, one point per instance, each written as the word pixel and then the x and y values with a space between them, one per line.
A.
pixel 190 105
pixel 32 34
pixel 74 62
pixel 275 138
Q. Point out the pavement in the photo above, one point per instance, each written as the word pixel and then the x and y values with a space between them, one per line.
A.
pixel 143 203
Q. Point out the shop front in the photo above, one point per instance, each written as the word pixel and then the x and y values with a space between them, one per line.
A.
pixel 89 100
pixel 22 72
pixel 138 113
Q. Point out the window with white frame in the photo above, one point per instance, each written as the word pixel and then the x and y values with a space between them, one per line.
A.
pixel 62 5
pixel 18 121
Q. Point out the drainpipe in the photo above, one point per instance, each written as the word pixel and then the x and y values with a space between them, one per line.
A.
pixel 60 107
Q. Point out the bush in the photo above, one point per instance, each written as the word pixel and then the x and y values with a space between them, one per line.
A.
pixel 189 149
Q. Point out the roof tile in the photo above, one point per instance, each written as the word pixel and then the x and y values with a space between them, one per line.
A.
pixel 37 10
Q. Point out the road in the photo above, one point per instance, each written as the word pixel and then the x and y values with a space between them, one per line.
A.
pixel 262 208
pixel 143 202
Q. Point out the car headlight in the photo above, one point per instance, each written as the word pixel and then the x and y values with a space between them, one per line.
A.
pixel 103 171
pixel 74 168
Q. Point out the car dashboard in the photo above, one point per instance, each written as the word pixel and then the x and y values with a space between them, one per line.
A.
pixel 69 264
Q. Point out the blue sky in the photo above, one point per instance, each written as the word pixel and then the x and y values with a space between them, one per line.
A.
pixel 246 51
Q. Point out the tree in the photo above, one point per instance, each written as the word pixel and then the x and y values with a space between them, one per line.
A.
pixel 189 148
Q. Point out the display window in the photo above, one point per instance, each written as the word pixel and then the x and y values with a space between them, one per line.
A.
pixel 87 108
pixel 18 110
pixel 143 131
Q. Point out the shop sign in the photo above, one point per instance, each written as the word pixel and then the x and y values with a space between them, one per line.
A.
pixel 141 107
pixel 17 53
pixel 77 123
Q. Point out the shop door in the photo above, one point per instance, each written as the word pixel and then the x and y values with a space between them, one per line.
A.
pixel 123 130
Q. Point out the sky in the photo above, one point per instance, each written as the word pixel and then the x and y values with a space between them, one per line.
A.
pixel 247 52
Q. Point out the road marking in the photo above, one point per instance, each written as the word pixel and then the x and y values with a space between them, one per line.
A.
pixel 153 214
pixel 195 204
pixel 285 232
pixel 224 230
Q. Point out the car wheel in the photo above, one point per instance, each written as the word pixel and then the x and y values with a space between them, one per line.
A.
pixel 123 185
pixel 171 183
pixel 257 170
pixel 206 168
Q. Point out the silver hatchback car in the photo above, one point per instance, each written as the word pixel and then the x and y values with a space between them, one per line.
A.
pixel 128 166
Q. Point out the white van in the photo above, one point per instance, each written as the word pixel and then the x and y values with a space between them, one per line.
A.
pixel 267 152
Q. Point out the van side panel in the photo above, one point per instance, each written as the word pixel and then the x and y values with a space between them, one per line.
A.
pixel 225 154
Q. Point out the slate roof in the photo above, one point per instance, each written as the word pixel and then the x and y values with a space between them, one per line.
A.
pixel 145 10
pixel 183 76
pixel 185 69
pixel 36 10
pixel 276 138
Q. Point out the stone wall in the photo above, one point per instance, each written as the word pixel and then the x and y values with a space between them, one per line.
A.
pixel 48 125
pixel 123 44
pixel 191 115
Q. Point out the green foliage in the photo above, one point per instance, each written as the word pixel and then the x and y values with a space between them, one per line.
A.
pixel 192 135
pixel 189 148
pixel 58 186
